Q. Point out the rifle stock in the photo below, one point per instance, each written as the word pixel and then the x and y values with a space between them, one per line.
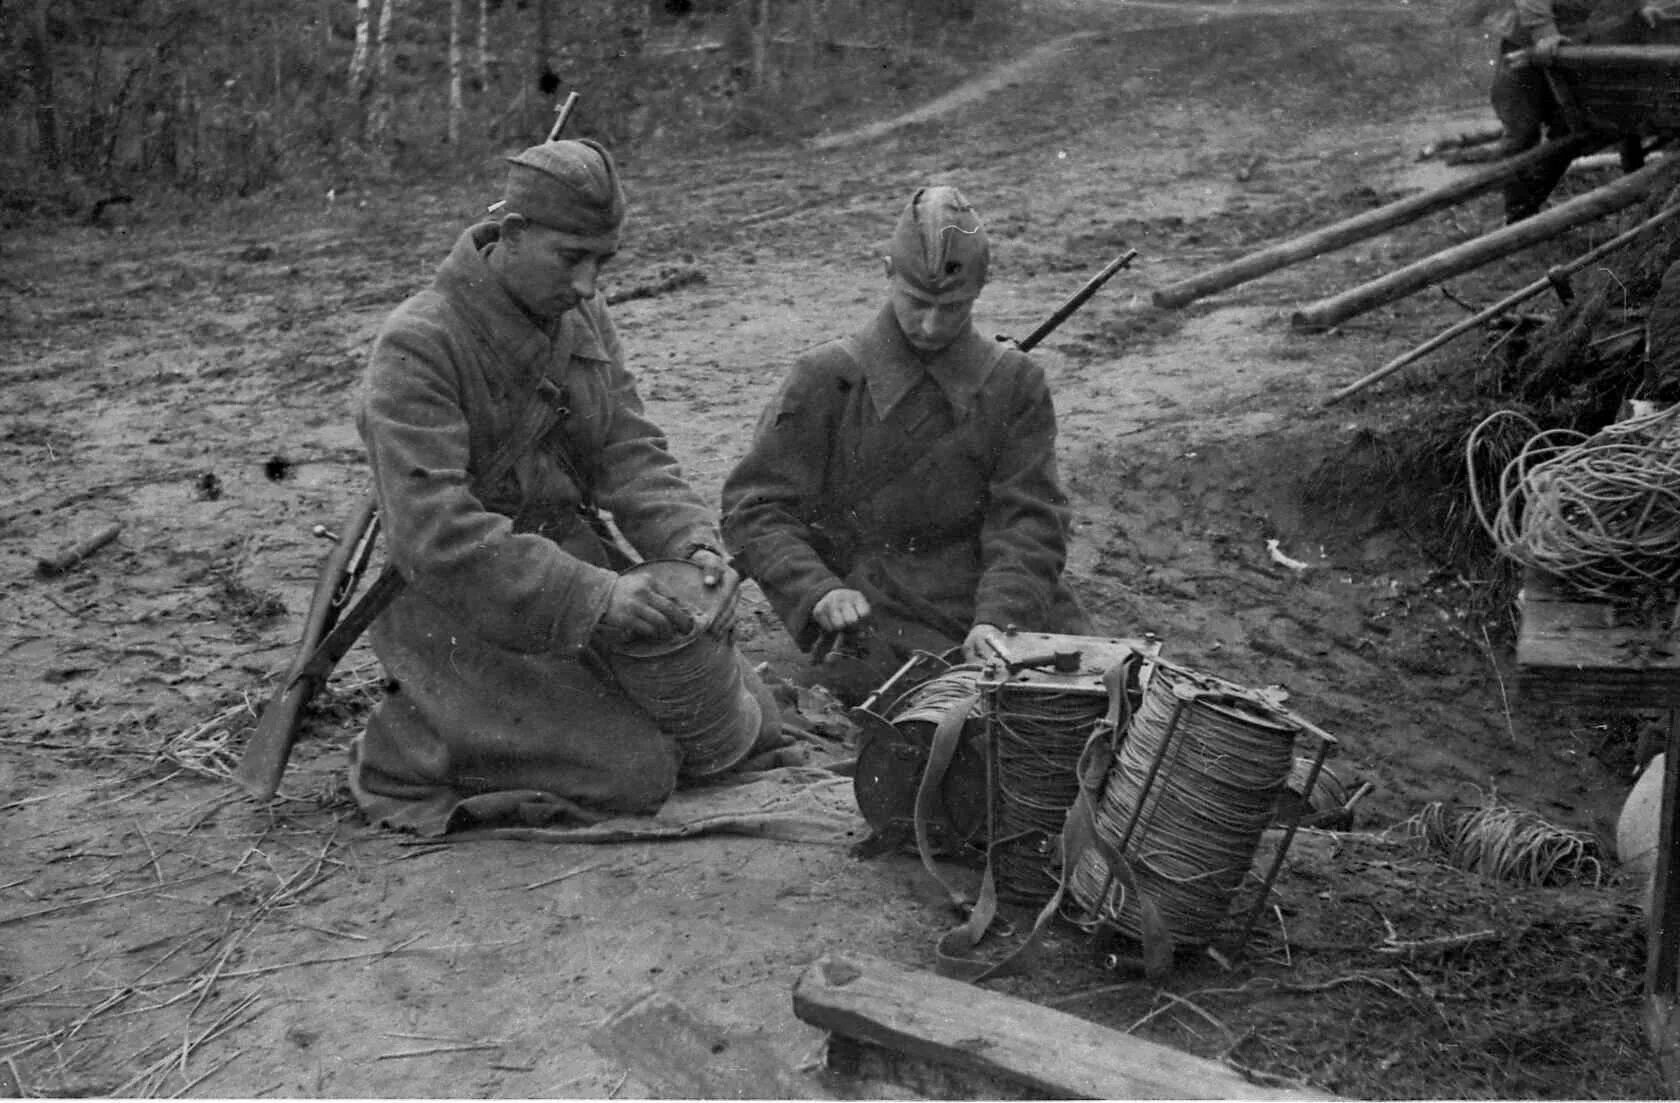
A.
pixel 270 744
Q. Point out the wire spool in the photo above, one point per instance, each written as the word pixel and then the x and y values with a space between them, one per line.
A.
pixel 889 771
pixel 1190 791
pixel 1039 736
pixel 693 685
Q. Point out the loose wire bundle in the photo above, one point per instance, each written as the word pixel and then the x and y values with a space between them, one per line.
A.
pixel 1509 844
pixel 1186 799
pixel 1601 512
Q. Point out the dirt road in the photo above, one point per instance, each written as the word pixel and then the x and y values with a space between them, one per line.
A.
pixel 190 378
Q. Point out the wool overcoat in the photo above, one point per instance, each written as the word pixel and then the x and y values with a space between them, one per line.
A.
pixel 496 697
pixel 929 485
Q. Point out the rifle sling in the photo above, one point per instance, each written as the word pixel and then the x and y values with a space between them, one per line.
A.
pixel 391 582
pixel 900 459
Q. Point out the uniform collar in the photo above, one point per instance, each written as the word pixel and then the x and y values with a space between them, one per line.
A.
pixel 892 368
pixel 521 338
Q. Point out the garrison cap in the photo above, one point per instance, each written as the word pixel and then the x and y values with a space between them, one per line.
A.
pixel 939 246
pixel 570 185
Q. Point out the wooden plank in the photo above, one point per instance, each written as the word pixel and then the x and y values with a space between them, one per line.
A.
pixel 675 1054
pixel 1049 1054
pixel 1572 651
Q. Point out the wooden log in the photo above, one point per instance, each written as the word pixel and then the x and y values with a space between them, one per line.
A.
pixel 675 1054
pixel 1551 280
pixel 57 564
pixel 1612 58
pixel 1476 252
pixel 1359 227
pixel 979 1033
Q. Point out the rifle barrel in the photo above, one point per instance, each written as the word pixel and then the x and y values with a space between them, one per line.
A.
pixel 1077 300
pixel 562 113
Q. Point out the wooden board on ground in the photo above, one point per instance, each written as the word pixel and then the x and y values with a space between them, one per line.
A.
pixel 1574 651
pixel 1006 1047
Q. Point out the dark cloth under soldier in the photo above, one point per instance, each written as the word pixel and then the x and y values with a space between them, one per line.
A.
pixel 497 410
pixel 1528 109
pixel 901 492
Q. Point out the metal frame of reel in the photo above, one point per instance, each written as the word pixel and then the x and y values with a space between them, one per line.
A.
pixel 1325 745
pixel 1025 661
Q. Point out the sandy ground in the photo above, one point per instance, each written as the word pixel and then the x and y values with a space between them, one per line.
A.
pixel 191 379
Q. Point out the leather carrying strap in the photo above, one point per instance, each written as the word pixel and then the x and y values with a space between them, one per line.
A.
pixel 1079 834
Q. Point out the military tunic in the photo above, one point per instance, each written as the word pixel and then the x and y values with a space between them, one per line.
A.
pixel 928 485
pixel 496 698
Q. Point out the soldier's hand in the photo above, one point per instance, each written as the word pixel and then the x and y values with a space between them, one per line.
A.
pixel 716 574
pixel 1546 48
pixel 984 643
pixel 639 608
pixel 839 610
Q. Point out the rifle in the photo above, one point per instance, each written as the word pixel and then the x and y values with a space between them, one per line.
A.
pixel 328 631
pixel 1076 300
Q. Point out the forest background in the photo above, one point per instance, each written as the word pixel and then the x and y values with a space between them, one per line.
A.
pixel 214 98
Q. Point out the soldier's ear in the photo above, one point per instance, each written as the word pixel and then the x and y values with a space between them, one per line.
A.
pixel 887 264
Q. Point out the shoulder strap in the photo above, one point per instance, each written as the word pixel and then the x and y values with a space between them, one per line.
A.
pixel 893 463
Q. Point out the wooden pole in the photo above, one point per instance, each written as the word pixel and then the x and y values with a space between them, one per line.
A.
pixel 1476 252
pixel 1546 283
pixel 53 565
pixel 1361 226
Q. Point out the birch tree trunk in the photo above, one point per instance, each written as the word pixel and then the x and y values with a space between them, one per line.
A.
pixel 361 70
pixel 484 59
pixel 379 121
pixel 760 42
pixel 457 64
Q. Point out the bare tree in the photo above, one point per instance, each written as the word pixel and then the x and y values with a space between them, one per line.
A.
pixel 38 50
pixel 361 68
pixel 457 65
pixel 379 118
pixel 484 58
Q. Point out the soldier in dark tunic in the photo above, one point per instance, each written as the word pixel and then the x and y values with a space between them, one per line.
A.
pixel 1522 97
pixel 901 492
pixel 495 407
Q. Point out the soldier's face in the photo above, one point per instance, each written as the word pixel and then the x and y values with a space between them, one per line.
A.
pixel 928 323
pixel 549 272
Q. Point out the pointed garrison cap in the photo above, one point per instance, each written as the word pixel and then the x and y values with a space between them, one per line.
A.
pixel 939 246
pixel 570 185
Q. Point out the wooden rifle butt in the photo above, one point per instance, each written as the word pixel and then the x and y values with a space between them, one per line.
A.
pixel 270 743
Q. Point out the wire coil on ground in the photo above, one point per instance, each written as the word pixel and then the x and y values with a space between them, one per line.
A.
pixel 1185 801
pixel 1600 512
pixel 1040 735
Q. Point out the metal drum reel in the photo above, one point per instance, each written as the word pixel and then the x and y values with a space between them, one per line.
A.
pixel 1026 716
